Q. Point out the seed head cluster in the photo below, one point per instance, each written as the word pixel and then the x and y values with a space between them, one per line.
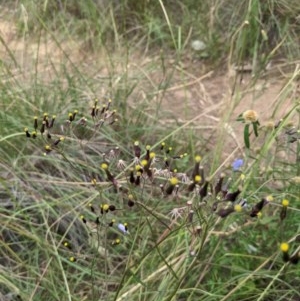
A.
pixel 123 178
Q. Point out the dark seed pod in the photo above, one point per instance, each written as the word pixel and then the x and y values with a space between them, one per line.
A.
pixel 131 177
pixel 74 115
pixel 258 207
pixel 191 187
pixel 231 196
pixel 167 163
pixel 93 113
pixel 172 184
pixel 35 124
pixel 112 207
pixel 203 190
pixel 190 216
pixel 225 212
pixel 92 208
pixel 219 184
pixel 137 149
pixel 130 203
pixel 111 223
pixel 285 256
pixel 283 213
pixel 52 121
pixel 42 130
pixel 138 179
pixel 198 230
pixel 47 122
pixel 295 258
pixel 27 133
pixel 83 219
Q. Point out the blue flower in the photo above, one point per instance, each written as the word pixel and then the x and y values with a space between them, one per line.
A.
pixel 123 228
pixel 237 164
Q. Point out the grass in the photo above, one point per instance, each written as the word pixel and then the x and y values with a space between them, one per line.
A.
pixel 75 229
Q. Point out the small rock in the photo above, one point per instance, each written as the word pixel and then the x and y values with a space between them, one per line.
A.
pixel 198 45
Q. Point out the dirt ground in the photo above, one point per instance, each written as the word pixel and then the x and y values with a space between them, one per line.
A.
pixel 194 95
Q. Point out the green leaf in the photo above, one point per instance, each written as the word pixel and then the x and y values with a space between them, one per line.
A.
pixel 255 128
pixel 246 136
pixel 240 118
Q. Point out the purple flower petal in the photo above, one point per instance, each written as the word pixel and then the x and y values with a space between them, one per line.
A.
pixel 237 164
pixel 122 228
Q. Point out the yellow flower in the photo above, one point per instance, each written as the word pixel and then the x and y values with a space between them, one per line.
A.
pixel 198 159
pixel 285 203
pixel 284 247
pixel 152 155
pixel 144 163
pixel 130 197
pixel 173 181
pixel 117 241
pixel 104 166
pixel 237 208
pixel 250 116
pixel 83 219
pixel 269 198
pixel 198 179
pixel 105 207
pixel 48 148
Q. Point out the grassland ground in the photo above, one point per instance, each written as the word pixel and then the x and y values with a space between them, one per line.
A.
pixel 192 86
pixel 80 220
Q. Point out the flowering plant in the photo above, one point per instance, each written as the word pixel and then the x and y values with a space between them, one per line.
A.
pixel 249 117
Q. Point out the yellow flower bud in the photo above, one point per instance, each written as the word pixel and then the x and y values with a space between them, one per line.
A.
pixel 198 159
pixel 152 155
pixel 237 208
pixel 104 166
pixel 144 162
pixel 284 247
pixel 269 198
pixel 198 179
pixel 105 207
pixel 173 181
